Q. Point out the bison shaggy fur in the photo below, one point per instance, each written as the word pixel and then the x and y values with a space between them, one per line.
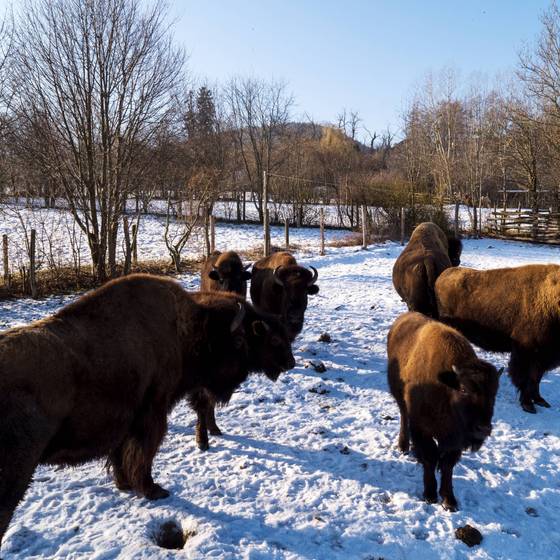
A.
pixel 98 378
pixel 445 395
pixel 428 253
pixel 280 286
pixel 224 272
pixel 512 310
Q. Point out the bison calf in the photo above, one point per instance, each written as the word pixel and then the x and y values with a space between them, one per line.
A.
pixel 98 378
pixel 221 272
pixel 280 286
pixel 445 396
pixel 428 253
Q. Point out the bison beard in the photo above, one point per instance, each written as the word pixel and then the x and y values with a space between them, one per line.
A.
pixel 280 286
pixel 428 253
pixel 445 394
pixel 98 378
pixel 508 310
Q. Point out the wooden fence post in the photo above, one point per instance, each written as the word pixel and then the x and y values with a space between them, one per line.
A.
pixel 364 227
pixel 322 230
pixel 402 226
pixel 7 279
pixel 127 247
pixel 287 233
pixel 212 233
pixel 266 222
pixel 32 279
pixel 457 219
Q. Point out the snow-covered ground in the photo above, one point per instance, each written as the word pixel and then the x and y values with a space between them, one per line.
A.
pixel 308 467
pixel 59 240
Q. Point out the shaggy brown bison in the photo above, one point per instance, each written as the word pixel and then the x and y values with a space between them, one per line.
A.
pixel 508 310
pixel 445 394
pixel 280 286
pixel 428 253
pixel 98 378
pixel 224 272
pixel 221 272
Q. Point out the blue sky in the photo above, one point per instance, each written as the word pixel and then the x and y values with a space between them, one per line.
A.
pixel 359 54
pixel 364 55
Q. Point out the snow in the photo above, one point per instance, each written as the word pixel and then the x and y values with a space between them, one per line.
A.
pixel 315 474
pixel 55 228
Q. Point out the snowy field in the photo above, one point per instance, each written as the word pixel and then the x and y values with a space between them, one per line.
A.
pixel 308 467
pixel 55 229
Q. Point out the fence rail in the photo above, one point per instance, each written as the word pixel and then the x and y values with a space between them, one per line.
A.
pixel 525 225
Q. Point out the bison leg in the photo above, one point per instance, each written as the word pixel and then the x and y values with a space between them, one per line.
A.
pixel 426 451
pixel 404 435
pixel 23 439
pixel 447 461
pixel 534 383
pixel 519 368
pixel 211 420
pixel 201 433
pixel 135 456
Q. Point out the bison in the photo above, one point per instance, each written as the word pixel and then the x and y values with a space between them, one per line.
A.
pixel 512 310
pixel 224 272
pixel 428 253
pixel 98 378
pixel 280 286
pixel 221 272
pixel 445 396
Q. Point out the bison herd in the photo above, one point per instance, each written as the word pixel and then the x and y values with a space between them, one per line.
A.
pixel 99 378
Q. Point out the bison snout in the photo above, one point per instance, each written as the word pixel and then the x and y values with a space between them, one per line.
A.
pixel 291 364
pixel 482 431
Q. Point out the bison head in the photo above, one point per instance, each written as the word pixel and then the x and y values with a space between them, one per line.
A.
pixel 293 284
pixel 231 276
pixel 455 248
pixel 474 386
pixel 267 341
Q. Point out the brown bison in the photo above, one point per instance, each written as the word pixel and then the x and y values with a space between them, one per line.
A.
pixel 98 378
pixel 221 272
pixel 280 286
pixel 508 310
pixel 428 253
pixel 445 396
pixel 224 272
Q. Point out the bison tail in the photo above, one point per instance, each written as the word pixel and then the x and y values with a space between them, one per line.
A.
pixel 431 277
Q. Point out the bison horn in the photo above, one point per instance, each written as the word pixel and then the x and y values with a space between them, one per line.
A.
pixel 315 276
pixel 276 277
pixel 238 319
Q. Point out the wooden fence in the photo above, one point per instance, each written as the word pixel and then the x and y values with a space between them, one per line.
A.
pixel 525 225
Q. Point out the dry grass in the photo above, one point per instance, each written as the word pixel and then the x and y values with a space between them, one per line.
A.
pixel 66 280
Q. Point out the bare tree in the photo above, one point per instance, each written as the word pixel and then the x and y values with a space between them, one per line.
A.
pixel 260 114
pixel 94 81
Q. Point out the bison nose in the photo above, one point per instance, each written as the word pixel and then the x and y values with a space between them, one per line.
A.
pixel 291 363
pixel 484 430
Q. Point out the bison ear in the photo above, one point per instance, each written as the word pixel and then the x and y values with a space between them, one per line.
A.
pixel 214 275
pixel 260 328
pixel 246 275
pixel 449 378
pixel 313 289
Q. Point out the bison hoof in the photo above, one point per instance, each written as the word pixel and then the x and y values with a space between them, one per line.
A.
pixel 156 492
pixel 430 498
pixel 539 401
pixel 449 505
pixel 215 431
pixel 529 407
pixel 203 445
